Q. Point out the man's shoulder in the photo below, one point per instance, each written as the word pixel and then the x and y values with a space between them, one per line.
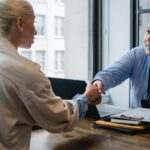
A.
pixel 139 50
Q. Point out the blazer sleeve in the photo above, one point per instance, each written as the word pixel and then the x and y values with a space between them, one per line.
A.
pixel 51 112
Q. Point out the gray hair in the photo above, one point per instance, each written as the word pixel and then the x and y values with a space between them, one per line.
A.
pixel 10 10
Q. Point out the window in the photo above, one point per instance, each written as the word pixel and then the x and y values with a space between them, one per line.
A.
pixel 59 26
pixel 113 25
pixel 26 54
pixel 144 4
pixel 143 19
pixel 59 1
pixel 40 58
pixel 59 60
pixel 39 24
pixel 64 25
pixel 36 1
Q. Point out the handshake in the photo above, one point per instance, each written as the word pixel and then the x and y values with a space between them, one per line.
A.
pixel 94 92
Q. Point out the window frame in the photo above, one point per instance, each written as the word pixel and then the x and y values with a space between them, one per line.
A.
pixel 56 63
pixel 41 63
pixel 58 28
pixel 137 11
pixel 95 37
pixel 43 28
pixel 26 51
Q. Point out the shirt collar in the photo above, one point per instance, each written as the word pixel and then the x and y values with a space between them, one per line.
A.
pixel 7 47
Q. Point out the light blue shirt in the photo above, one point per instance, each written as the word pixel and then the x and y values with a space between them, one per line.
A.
pixel 82 104
pixel 133 65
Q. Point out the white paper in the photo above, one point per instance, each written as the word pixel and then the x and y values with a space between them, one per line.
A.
pixel 136 113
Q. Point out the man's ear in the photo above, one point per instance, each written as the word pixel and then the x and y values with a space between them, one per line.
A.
pixel 20 24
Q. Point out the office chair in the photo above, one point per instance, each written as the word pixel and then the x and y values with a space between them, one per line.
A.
pixel 68 88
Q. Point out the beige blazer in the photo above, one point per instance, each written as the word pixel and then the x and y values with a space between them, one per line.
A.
pixel 27 99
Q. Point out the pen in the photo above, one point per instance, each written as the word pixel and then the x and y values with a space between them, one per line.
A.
pixel 131 118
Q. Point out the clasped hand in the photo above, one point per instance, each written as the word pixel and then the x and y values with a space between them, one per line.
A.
pixel 93 95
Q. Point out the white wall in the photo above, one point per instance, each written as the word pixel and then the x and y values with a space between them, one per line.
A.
pixel 116 42
pixel 76 39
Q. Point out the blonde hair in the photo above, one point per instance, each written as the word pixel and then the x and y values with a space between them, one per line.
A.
pixel 10 10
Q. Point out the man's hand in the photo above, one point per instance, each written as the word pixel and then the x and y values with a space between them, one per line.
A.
pixel 92 94
pixel 99 84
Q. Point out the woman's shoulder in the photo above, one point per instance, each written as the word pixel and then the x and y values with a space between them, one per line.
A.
pixel 28 74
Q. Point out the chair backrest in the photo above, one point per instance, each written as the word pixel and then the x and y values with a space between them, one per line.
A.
pixel 68 88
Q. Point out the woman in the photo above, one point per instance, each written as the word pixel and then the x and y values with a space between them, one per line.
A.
pixel 26 96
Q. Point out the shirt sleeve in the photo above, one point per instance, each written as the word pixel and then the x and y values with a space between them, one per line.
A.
pixel 118 72
pixel 82 104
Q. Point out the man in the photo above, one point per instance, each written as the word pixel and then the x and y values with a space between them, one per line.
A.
pixel 133 65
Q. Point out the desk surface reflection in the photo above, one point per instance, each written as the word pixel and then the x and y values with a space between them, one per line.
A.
pixel 85 137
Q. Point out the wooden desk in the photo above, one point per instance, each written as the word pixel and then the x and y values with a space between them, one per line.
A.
pixel 84 137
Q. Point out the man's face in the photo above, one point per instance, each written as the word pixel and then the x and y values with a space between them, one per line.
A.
pixel 147 40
